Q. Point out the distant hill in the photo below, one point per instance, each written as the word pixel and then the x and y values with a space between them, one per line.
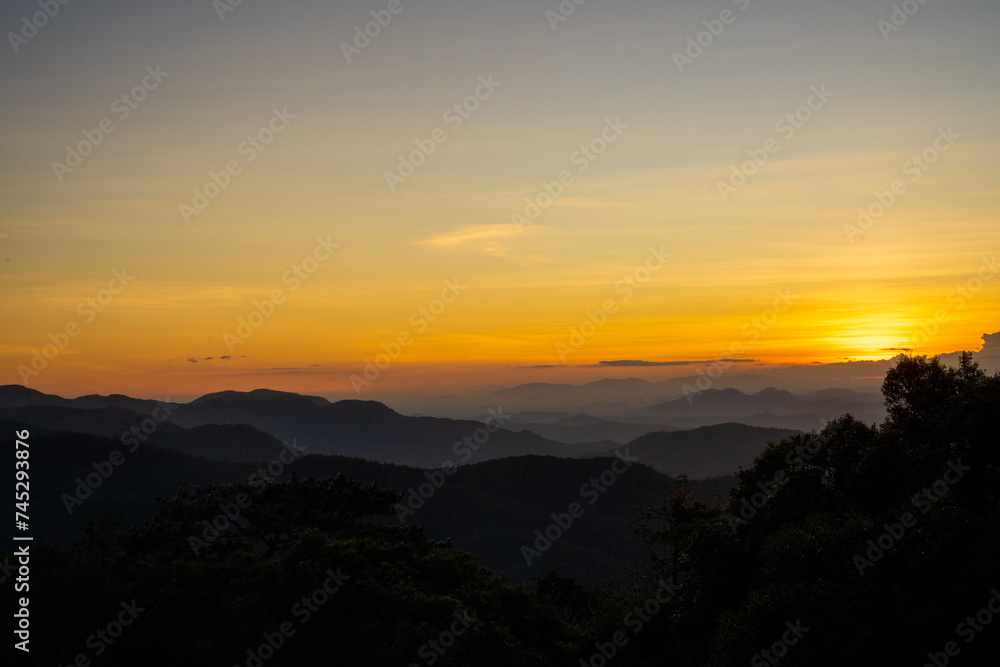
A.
pixel 488 508
pixel 621 399
pixel 250 426
pixel 709 451
pixel 587 429
pixel 17 396
pixel 367 429
pixel 127 494
pixel 545 393
pixel 363 429
pixel 769 406
pixel 108 422
pixel 228 442
pixel 236 443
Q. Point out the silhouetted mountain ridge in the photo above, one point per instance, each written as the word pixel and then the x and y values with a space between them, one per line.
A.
pixel 17 396
pixel 367 429
pixel 709 451
pixel 250 426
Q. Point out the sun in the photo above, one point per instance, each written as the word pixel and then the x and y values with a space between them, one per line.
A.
pixel 869 343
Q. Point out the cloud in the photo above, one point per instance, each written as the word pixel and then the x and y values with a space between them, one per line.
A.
pixel 195 360
pixel 991 345
pixel 486 237
pixel 636 362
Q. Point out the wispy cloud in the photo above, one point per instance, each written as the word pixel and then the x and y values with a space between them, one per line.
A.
pixel 488 238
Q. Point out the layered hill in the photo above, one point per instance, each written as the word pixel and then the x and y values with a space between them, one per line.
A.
pixel 709 451
pixel 362 429
pixel 491 509
pixel 259 424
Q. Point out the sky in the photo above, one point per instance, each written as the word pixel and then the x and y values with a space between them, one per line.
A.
pixel 199 195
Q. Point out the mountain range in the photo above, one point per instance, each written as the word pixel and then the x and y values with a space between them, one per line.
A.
pixel 508 483
pixel 623 400
pixel 372 431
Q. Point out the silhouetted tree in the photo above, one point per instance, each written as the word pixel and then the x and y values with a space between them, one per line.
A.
pixel 814 532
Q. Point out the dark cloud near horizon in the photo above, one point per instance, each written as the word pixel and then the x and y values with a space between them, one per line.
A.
pixel 639 362
pixel 227 357
pixel 991 345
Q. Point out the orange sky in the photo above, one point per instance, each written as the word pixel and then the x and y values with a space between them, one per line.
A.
pixel 591 122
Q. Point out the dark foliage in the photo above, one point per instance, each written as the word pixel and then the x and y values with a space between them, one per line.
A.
pixel 882 540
